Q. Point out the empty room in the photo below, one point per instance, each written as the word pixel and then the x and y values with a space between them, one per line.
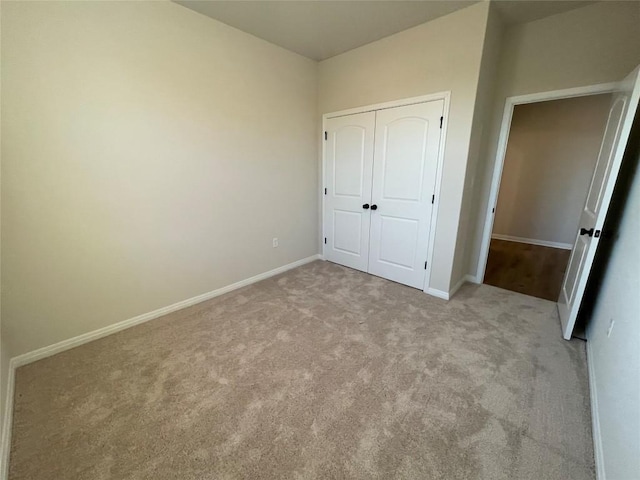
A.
pixel 319 240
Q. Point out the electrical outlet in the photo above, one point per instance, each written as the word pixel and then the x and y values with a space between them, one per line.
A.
pixel 275 243
pixel 610 327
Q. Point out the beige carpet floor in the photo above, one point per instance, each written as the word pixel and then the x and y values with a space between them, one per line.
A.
pixel 322 372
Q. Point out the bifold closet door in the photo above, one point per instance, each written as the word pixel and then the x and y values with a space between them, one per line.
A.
pixel 348 170
pixel 407 141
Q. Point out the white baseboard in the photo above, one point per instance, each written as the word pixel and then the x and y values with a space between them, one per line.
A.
pixel 532 241
pixel 447 295
pixel 145 317
pixel 20 360
pixel 472 279
pixel 595 417
pixel 438 293
pixel 457 286
pixel 5 440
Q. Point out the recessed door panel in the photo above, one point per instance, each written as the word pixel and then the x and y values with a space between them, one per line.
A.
pixel 397 241
pixel 348 170
pixel 605 157
pixel 348 158
pixel 407 144
pixel 347 228
pixel 573 271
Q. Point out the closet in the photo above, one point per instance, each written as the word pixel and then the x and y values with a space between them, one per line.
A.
pixel 380 171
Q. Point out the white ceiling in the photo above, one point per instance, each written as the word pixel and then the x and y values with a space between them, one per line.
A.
pixel 320 29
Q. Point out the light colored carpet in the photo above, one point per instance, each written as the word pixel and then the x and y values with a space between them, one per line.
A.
pixel 322 372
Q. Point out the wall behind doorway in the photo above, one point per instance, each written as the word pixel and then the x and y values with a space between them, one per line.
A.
pixel 551 153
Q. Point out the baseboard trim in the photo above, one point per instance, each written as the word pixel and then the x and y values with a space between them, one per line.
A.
pixel 26 358
pixel 595 416
pixel 44 352
pixel 5 441
pixel 434 292
pixel 532 241
pixel 472 279
pixel 457 286
pixel 446 295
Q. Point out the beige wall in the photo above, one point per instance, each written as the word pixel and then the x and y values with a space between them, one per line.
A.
pixel 551 154
pixel 595 44
pixel 440 55
pixel 150 154
pixel 615 358
pixel 4 349
pixel 485 99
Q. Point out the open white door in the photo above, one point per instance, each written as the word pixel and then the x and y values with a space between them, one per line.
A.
pixel 348 169
pixel 616 135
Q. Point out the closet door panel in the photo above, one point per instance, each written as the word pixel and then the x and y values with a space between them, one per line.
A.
pixel 407 142
pixel 348 171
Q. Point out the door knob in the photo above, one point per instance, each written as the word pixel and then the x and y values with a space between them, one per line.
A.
pixel 584 231
pixel 365 206
pixel 374 207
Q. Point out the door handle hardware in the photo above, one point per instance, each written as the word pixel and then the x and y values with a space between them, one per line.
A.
pixel 365 206
pixel 374 207
pixel 584 231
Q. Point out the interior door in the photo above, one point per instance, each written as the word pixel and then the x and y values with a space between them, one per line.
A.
pixel 621 114
pixel 407 141
pixel 348 170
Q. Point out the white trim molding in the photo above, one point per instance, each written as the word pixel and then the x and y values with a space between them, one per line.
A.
pixel 452 291
pixel 501 151
pixel 456 287
pixel 24 359
pixel 472 279
pixel 595 416
pixel 5 441
pixel 392 104
pixel 437 293
pixel 532 241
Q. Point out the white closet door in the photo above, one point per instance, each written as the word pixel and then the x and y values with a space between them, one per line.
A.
pixel 348 169
pixel 407 141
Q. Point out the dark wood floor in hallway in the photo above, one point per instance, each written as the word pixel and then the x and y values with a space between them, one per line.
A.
pixel 530 269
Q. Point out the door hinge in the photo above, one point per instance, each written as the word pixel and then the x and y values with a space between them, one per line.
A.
pixel 433 199
pixel 325 240
pixel 425 265
pixel 493 210
pixel 441 119
pixel 325 191
pixel 325 135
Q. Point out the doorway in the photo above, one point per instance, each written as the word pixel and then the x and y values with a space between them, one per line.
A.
pixel 550 158
pixel 625 98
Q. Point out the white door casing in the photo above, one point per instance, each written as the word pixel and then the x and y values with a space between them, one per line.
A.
pixel 348 170
pixel 407 142
pixel 621 114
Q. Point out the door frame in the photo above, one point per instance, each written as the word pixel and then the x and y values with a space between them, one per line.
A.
pixel 446 96
pixel 501 152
